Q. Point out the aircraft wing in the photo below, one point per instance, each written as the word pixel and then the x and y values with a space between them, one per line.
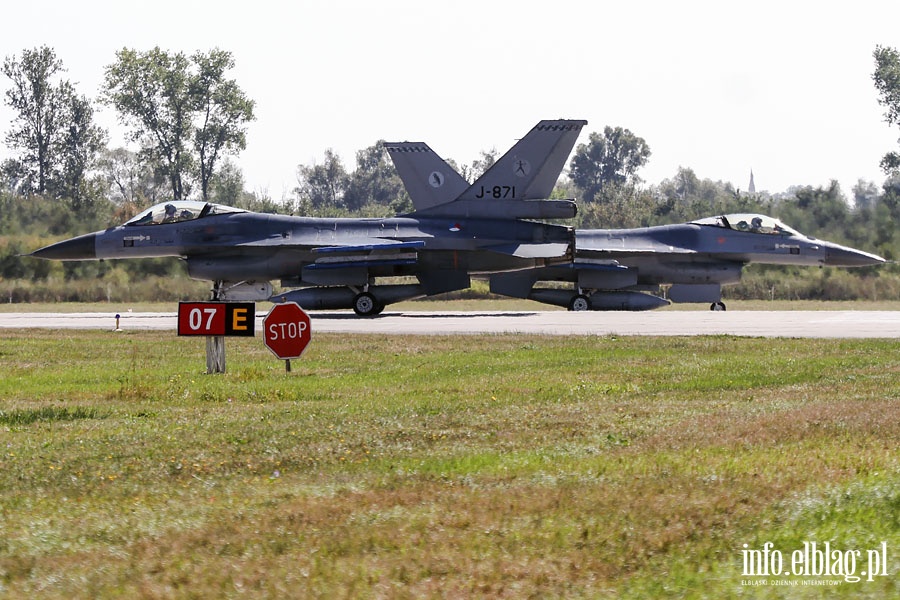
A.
pixel 362 252
pixel 646 241
pixel 358 245
pixel 373 244
pixel 613 253
pixel 623 252
pixel 374 252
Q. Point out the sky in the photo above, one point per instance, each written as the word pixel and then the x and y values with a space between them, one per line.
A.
pixel 780 88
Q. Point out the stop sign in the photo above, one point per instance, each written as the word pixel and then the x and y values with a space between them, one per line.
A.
pixel 286 330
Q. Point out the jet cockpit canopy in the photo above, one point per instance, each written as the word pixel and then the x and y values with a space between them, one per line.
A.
pixel 178 211
pixel 749 222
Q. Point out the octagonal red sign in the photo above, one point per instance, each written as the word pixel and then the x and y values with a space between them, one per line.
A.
pixel 287 330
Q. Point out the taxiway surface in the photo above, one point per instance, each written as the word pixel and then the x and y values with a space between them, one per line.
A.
pixel 811 324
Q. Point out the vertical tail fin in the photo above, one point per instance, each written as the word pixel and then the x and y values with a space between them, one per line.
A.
pixel 428 179
pixel 530 169
pixel 516 186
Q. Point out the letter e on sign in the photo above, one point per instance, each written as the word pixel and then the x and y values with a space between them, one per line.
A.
pixel 286 330
pixel 240 319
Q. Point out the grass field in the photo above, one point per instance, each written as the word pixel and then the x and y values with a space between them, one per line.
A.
pixel 446 466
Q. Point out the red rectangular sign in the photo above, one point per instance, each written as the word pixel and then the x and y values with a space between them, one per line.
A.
pixel 217 318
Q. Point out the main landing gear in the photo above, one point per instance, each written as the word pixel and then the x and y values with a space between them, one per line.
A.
pixel 579 302
pixel 365 305
pixel 717 306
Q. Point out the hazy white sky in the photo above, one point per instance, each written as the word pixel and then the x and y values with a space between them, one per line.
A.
pixel 780 87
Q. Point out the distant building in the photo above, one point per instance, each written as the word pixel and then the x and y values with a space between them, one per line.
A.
pixel 751 189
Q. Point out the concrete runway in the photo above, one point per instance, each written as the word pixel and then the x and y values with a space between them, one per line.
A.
pixel 811 324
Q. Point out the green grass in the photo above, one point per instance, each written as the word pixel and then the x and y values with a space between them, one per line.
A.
pixel 445 466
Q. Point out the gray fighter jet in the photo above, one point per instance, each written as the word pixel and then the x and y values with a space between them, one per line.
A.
pixel 623 269
pixel 336 263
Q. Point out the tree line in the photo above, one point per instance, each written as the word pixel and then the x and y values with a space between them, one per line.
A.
pixel 184 117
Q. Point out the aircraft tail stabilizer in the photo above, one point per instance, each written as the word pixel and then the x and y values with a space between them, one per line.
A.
pixel 530 169
pixel 514 187
pixel 428 179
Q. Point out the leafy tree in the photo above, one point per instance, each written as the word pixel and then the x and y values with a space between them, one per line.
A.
pixel 487 159
pixel 618 206
pixel 13 176
pixel 223 110
pixel 227 187
pixel 820 211
pixel 36 101
pixel 54 130
pixel 322 185
pixel 887 82
pixel 150 90
pixel 885 218
pixel 375 180
pixel 865 194
pixel 682 192
pixel 612 157
pixel 78 147
pixel 130 178
pixel 182 112
pixel 686 197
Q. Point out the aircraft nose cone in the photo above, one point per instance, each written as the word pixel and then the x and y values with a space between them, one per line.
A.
pixel 841 256
pixel 83 247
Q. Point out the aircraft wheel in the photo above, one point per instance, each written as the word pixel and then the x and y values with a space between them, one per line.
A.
pixel 717 306
pixel 365 305
pixel 579 303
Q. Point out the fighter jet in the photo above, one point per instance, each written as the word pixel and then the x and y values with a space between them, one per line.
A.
pixel 623 269
pixel 337 263
pixel 615 268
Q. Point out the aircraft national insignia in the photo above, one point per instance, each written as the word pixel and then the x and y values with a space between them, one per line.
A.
pixel 521 167
pixel 436 179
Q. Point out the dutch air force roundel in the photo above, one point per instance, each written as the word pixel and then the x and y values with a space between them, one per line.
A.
pixel 436 179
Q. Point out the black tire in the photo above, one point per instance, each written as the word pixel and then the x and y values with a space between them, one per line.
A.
pixel 717 306
pixel 365 305
pixel 579 302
